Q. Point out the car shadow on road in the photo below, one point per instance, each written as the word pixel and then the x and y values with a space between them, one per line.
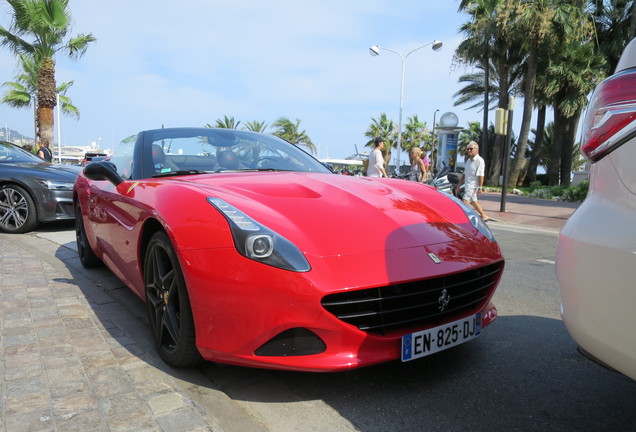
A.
pixel 524 373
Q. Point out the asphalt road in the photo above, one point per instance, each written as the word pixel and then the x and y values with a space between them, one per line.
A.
pixel 523 374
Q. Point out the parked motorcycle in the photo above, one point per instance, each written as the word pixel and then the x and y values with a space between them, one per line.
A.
pixel 446 181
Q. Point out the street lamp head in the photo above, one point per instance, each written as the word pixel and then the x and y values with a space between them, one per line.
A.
pixel 437 45
pixel 374 50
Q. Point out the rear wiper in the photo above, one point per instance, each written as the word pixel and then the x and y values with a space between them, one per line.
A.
pixel 180 172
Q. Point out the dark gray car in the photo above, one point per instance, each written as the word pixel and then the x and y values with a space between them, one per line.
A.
pixel 32 190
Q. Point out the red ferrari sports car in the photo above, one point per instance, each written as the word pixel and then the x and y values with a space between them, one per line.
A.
pixel 249 251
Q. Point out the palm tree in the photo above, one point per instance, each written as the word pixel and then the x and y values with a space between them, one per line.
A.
pixel 541 22
pixel 545 157
pixel 47 22
pixel 614 20
pixel 415 135
pixel 487 42
pixel 572 74
pixel 475 86
pixel 382 128
pixel 226 123
pixel 291 132
pixel 256 126
pixel 22 92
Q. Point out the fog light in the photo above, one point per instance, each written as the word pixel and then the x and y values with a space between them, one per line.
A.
pixel 259 246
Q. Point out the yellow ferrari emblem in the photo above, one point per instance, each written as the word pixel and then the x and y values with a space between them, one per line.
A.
pixel 132 186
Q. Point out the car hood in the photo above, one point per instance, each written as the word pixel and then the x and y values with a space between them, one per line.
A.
pixel 47 170
pixel 327 214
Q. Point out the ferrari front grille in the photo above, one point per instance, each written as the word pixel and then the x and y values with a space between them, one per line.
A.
pixel 422 303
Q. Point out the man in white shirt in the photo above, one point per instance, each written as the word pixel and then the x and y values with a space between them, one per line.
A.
pixel 473 178
pixel 376 160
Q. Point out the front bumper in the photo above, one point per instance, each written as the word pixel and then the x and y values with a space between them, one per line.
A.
pixel 242 308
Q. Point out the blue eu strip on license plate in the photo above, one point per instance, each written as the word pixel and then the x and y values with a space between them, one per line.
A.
pixel 426 342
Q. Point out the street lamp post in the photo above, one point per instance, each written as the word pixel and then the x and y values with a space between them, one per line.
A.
pixel 375 51
pixel 59 130
pixel 433 152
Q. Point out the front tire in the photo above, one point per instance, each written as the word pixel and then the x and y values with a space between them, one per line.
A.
pixel 168 304
pixel 17 210
pixel 86 255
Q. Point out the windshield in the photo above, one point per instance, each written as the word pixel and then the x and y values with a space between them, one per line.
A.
pixel 12 153
pixel 191 151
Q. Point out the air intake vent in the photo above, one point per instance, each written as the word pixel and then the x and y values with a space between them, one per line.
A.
pixel 292 342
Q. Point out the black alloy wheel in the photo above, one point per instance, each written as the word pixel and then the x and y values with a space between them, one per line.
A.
pixel 17 210
pixel 168 305
pixel 86 255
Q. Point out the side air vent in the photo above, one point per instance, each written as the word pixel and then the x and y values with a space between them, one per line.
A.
pixel 293 342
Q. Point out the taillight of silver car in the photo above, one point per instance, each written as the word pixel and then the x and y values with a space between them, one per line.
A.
pixel 610 120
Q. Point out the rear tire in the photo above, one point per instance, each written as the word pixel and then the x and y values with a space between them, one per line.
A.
pixel 86 255
pixel 168 304
pixel 17 210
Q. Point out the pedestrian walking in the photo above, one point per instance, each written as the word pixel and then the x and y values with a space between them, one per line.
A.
pixel 376 160
pixel 473 179
pixel 418 167
pixel 427 164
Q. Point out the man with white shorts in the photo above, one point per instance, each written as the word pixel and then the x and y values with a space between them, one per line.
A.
pixel 473 179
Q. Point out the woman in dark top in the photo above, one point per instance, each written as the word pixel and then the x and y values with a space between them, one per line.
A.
pixel 44 152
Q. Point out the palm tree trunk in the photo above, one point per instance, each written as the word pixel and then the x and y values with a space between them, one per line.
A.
pixel 47 100
pixel 537 149
pixel 568 148
pixel 557 142
pixel 632 23
pixel 528 105
pixel 494 171
pixel 484 126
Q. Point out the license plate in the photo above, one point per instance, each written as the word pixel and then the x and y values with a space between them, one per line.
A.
pixel 426 342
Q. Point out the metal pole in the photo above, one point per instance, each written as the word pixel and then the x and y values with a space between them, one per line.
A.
pixel 375 50
pixel 506 155
pixel 433 146
pixel 59 133
pixel 399 138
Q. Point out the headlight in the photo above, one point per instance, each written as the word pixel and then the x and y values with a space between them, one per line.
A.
pixel 56 185
pixel 259 243
pixel 474 218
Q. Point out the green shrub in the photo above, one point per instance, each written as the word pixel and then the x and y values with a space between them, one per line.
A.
pixel 565 193
pixel 542 193
pixel 578 192
pixel 534 186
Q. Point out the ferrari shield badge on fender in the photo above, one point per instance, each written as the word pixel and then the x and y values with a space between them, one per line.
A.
pixel 132 186
pixel 434 257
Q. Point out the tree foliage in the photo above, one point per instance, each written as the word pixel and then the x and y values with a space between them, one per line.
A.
pixel 563 47
pixel 22 92
pixel 290 131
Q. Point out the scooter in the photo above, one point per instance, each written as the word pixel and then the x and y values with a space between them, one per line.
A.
pixel 446 181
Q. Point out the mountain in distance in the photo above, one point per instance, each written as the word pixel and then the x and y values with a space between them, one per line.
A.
pixel 8 134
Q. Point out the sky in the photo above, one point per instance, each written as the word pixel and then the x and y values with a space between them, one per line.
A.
pixel 163 63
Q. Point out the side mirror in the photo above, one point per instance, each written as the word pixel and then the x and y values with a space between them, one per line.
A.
pixel 103 171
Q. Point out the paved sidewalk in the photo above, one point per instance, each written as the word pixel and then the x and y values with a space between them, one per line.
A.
pixel 72 359
pixel 526 211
